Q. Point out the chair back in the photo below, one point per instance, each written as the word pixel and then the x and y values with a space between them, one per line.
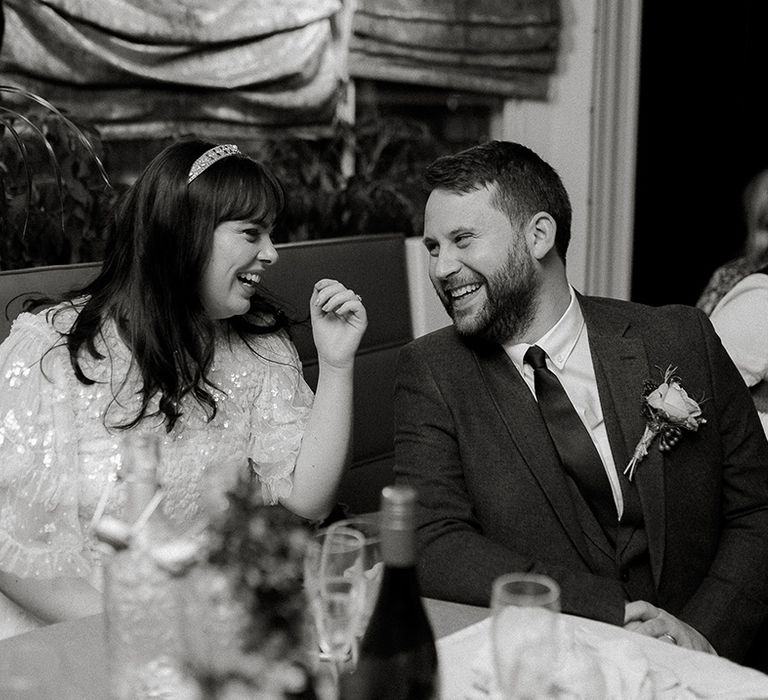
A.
pixel 49 281
pixel 374 266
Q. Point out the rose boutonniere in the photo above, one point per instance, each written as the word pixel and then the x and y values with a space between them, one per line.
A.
pixel 668 411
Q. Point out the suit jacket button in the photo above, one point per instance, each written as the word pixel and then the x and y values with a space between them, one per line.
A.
pixel 625 576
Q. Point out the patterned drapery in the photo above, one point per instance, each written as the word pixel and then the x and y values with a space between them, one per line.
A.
pixel 162 67
pixel 501 47
pixel 155 68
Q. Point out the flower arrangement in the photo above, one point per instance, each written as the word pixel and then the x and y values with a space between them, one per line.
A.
pixel 247 626
pixel 668 411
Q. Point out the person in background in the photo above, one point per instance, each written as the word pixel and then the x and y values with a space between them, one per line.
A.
pixel 175 336
pixel 755 252
pixel 741 320
pixel 609 445
pixel 736 298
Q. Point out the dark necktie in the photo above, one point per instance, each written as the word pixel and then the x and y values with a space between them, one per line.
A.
pixel 574 446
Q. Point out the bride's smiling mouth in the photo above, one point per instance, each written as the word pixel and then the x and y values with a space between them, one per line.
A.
pixel 248 279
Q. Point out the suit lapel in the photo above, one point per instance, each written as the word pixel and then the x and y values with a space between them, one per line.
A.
pixel 621 369
pixel 520 414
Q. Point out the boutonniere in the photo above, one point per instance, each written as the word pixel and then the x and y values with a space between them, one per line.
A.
pixel 668 411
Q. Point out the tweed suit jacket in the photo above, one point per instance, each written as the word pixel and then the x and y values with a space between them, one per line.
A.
pixel 493 497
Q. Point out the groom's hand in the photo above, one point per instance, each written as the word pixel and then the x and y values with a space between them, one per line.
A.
pixel 647 619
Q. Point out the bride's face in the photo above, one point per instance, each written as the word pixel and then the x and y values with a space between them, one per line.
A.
pixel 240 253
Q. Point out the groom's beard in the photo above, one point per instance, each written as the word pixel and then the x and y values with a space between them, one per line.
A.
pixel 508 310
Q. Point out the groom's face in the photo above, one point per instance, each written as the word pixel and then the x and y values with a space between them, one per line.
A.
pixel 480 264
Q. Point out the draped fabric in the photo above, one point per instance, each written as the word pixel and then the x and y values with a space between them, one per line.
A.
pixel 502 47
pixel 160 67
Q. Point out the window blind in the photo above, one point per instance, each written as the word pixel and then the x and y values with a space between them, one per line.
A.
pixel 502 47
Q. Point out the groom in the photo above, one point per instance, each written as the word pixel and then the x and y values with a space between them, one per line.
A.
pixel 516 425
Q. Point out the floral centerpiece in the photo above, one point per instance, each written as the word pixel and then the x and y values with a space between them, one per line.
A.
pixel 245 625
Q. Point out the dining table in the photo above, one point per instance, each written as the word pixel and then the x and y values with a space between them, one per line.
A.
pixel 69 659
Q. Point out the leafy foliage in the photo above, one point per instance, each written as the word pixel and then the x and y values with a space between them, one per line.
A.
pixel 386 192
pixel 382 192
pixel 54 191
pixel 55 195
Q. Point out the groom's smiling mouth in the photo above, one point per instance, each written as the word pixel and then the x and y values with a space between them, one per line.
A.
pixel 462 294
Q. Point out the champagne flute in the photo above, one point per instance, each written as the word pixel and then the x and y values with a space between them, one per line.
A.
pixel 333 570
pixel 524 634
pixel 369 526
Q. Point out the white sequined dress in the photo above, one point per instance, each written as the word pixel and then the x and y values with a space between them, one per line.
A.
pixel 58 455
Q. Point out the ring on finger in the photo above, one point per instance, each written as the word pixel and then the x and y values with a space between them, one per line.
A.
pixel 669 637
pixel 359 298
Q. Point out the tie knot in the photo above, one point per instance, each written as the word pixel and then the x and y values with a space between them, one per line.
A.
pixel 535 357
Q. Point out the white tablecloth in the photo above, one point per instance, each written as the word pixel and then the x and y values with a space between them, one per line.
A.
pixel 674 672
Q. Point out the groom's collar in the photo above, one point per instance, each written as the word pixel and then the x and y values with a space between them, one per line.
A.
pixel 559 341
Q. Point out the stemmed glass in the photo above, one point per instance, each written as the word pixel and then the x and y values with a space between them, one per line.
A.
pixel 373 566
pixel 333 579
pixel 524 634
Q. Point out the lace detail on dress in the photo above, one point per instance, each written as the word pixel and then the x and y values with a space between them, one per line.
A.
pixel 275 443
pixel 57 456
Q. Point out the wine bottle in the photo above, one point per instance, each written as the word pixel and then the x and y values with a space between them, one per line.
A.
pixel 398 658
pixel 141 602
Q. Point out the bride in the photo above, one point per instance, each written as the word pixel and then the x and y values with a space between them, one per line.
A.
pixel 175 336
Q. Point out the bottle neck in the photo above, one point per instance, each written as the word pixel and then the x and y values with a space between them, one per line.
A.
pixel 139 468
pixel 398 547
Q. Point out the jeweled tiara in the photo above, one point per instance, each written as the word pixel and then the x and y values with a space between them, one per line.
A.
pixel 210 157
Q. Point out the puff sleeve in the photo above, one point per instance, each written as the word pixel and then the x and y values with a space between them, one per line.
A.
pixel 279 417
pixel 40 533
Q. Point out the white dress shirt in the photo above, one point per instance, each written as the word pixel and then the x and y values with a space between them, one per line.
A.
pixel 567 348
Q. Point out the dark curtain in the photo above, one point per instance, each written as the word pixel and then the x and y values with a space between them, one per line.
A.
pixel 502 47
pixel 698 147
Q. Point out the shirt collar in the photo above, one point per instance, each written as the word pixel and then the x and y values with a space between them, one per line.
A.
pixel 559 341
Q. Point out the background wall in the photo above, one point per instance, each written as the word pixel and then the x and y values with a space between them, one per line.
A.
pixel 587 131
pixel 559 130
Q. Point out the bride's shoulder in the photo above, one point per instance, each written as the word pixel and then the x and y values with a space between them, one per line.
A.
pixel 52 320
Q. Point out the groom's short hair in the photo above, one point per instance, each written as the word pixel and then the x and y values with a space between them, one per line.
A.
pixel 522 183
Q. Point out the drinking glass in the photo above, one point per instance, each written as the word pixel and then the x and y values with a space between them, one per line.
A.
pixel 524 634
pixel 333 579
pixel 373 566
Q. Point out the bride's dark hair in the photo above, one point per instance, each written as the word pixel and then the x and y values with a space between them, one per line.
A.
pixel 159 241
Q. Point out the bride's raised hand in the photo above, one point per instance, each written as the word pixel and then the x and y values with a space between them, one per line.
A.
pixel 339 321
